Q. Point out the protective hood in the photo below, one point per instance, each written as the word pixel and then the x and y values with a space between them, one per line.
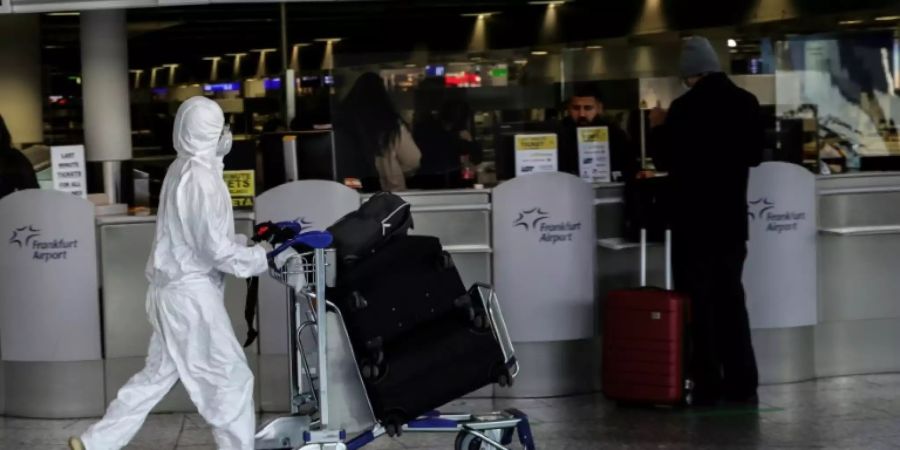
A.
pixel 198 127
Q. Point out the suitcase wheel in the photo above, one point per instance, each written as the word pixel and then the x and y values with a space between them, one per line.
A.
pixel 371 371
pixel 393 424
pixel 359 302
pixel 481 321
pixel 447 261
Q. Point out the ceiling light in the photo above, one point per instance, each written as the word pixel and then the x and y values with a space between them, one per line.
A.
pixel 850 22
pixel 235 54
pixel 136 71
pixel 302 44
pixel 521 62
pixel 594 47
pixel 64 14
pixel 548 2
pixel 329 40
pixel 410 66
pixel 481 15
pixel 264 50
pixel 212 58
pixel 538 53
pixel 887 18
pixel 732 43
pixel 171 65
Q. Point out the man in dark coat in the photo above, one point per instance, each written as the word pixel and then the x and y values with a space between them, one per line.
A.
pixel 16 172
pixel 707 142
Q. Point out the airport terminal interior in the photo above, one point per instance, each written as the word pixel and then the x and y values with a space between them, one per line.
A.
pixel 554 160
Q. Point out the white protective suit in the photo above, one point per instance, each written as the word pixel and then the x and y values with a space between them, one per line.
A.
pixel 193 339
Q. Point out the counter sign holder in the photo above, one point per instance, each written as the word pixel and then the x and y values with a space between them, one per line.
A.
pixel 242 187
pixel 69 174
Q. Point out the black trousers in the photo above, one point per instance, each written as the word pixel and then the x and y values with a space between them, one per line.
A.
pixel 722 362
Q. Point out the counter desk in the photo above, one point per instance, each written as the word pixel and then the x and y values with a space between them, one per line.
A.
pixel 856 331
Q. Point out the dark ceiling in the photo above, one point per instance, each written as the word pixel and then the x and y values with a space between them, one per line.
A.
pixel 185 35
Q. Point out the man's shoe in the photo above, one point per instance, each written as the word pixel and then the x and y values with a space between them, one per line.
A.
pixel 75 443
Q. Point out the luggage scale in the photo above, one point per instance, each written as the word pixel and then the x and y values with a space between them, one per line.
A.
pixel 329 407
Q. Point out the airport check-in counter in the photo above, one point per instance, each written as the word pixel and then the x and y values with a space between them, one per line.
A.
pixel 856 331
pixel 124 246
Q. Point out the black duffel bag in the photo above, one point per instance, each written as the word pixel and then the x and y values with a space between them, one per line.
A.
pixel 360 233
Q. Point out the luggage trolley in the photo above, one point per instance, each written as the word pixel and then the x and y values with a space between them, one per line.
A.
pixel 329 407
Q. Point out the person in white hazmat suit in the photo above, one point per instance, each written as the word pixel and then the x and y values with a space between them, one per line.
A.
pixel 193 340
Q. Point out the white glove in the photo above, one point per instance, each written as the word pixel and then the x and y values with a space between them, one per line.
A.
pixel 282 258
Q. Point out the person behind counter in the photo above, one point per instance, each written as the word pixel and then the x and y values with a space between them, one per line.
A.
pixel 708 141
pixel 442 127
pixel 585 109
pixel 16 172
pixel 374 145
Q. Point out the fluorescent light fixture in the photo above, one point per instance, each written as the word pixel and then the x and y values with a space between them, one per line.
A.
pixel 887 18
pixel 264 50
pixel 850 22
pixel 302 44
pixel 171 65
pixel 235 54
pixel 212 58
pixel 521 62
pixel 329 40
pixel 732 43
pixel 481 15
pixel 136 71
pixel 548 2
pixel 594 47
pixel 64 14
pixel 410 66
pixel 538 53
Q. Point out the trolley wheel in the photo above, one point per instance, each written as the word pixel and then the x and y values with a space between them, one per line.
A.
pixel 504 380
pixel 393 429
pixel 466 441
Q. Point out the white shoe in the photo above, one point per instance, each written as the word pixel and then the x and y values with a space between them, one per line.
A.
pixel 76 444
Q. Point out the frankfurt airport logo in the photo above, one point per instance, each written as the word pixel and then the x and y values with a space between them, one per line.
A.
pixel 536 219
pixel 29 237
pixel 22 237
pixel 530 219
pixel 759 207
pixel 763 211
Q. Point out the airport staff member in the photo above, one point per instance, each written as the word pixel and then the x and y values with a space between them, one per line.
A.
pixel 585 109
pixel 708 141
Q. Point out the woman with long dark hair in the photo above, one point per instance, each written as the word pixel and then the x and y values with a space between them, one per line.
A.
pixel 16 172
pixel 374 142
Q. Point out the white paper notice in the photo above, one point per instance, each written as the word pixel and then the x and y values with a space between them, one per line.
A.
pixel 593 154
pixel 536 153
pixel 69 172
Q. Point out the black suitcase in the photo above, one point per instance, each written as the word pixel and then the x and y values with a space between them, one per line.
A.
pixel 409 282
pixel 433 366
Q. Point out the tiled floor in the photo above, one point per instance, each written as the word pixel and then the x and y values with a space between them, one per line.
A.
pixel 861 412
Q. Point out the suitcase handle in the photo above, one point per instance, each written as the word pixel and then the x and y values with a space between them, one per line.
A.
pixel 668 258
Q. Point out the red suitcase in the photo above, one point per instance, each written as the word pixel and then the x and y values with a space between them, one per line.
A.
pixel 644 345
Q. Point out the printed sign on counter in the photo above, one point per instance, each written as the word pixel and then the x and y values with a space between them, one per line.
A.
pixel 241 186
pixel 69 174
pixel 593 154
pixel 536 153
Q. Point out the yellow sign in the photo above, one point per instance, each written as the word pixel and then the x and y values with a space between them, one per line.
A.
pixel 242 187
pixel 536 142
pixel 593 134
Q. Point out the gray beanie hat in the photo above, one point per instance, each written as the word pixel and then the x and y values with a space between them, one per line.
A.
pixel 698 57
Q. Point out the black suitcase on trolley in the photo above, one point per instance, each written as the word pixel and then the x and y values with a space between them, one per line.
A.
pixel 408 282
pixel 433 366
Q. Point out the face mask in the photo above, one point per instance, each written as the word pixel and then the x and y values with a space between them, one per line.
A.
pixel 225 141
